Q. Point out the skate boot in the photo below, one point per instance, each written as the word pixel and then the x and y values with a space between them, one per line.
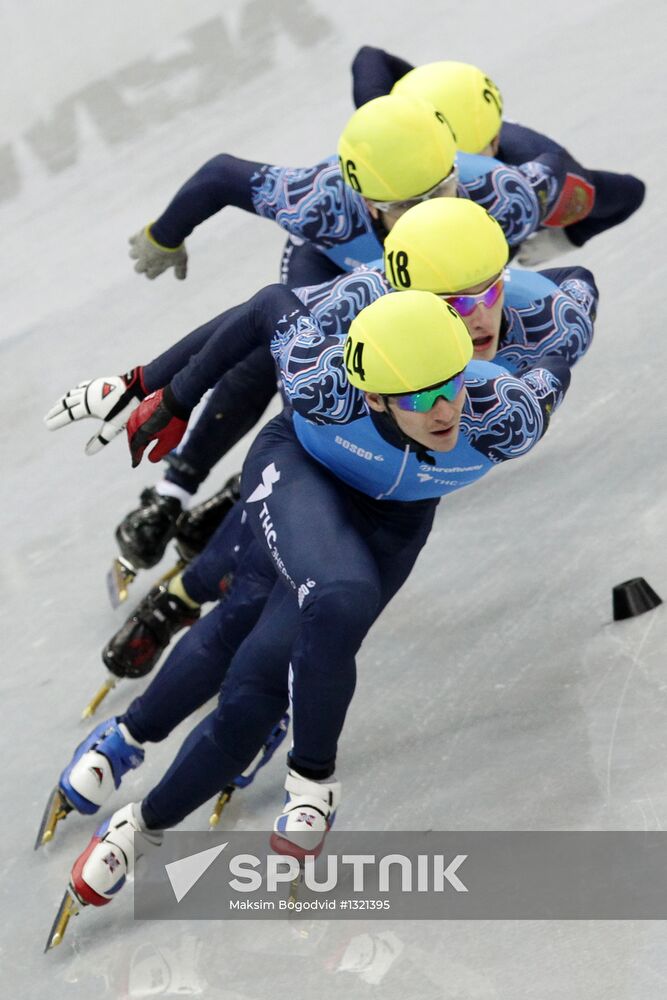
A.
pixel 144 533
pixel 95 770
pixel 137 646
pixel 98 766
pixel 195 527
pixel 307 816
pixel 101 871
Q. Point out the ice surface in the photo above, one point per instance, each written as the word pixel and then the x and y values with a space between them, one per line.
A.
pixel 496 694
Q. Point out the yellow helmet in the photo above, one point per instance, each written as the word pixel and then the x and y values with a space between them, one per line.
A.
pixel 469 100
pixel 444 245
pixel 395 148
pixel 404 343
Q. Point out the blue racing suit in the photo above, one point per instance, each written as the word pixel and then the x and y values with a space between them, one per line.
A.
pixel 335 233
pixel 342 531
pixel 589 201
pixel 545 312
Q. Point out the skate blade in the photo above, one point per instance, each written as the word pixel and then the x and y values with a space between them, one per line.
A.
pixel 99 697
pixel 294 887
pixel 177 568
pixel 297 927
pixel 69 907
pixel 222 800
pixel 119 579
pixel 57 809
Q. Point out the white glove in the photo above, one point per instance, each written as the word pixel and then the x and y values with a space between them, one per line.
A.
pixel 108 399
pixel 542 246
pixel 152 258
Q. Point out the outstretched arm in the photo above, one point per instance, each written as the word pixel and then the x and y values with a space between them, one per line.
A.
pixel 222 181
pixel 199 360
pixel 554 317
pixel 308 202
pixel 231 337
pixel 509 414
pixel 574 309
pixel 374 73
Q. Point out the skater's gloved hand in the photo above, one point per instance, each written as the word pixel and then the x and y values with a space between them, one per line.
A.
pixel 159 418
pixel 152 258
pixel 108 399
pixel 542 246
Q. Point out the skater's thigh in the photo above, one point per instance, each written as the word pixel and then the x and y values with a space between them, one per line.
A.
pixel 302 515
pixel 261 664
pixel 218 558
pixel 251 586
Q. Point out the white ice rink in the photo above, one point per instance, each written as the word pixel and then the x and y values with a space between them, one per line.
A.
pixel 496 694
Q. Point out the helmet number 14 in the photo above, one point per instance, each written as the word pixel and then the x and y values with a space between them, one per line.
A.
pixel 354 354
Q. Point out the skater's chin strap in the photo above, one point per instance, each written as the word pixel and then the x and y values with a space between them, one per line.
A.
pixel 386 425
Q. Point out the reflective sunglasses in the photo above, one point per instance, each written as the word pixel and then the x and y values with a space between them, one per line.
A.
pixel 465 305
pixel 443 189
pixel 425 400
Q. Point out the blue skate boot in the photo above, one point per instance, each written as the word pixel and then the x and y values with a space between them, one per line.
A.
pixel 94 772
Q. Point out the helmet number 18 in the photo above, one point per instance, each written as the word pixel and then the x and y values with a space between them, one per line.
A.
pixel 398 266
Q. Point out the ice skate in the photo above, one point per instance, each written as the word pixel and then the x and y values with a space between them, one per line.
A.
pixel 135 649
pixel 119 578
pixel 122 574
pixel 142 537
pixel 94 772
pixel 69 907
pixel 137 646
pixel 143 534
pixel 57 808
pixel 307 816
pixel 99 697
pixel 194 527
pixel 276 737
pixel 100 872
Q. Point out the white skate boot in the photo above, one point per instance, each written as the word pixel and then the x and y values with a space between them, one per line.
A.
pixel 307 816
pixel 101 871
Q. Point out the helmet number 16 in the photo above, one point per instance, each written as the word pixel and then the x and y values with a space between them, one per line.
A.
pixel 348 169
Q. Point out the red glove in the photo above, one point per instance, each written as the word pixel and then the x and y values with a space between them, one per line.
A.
pixel 160 417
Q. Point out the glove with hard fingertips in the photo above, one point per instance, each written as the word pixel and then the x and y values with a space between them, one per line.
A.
pixel 110 399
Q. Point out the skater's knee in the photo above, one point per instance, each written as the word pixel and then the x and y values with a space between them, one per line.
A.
pixel 617 194
pixel 345 609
